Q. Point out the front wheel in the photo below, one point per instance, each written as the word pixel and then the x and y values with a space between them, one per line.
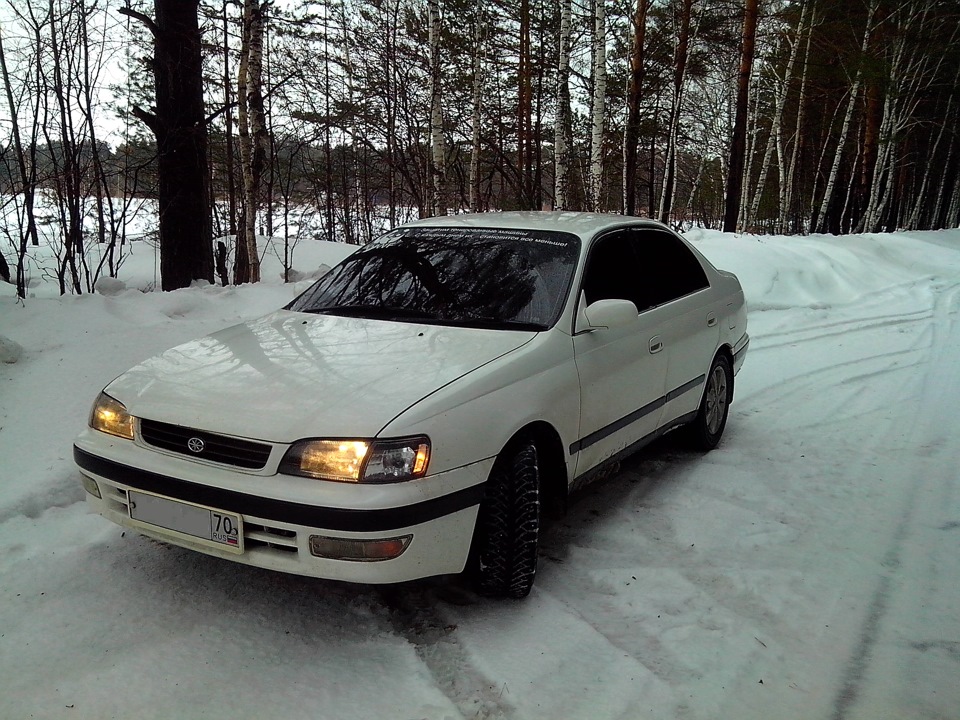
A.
pixel 707 427
pixel 508 525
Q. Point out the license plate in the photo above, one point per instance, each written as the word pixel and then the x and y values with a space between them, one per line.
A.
pixel 219 528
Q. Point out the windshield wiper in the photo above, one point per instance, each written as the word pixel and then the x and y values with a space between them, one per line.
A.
pixel 497 324
pixel 380 312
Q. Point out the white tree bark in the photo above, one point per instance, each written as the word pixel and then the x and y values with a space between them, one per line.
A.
pixel 773 139
pixel 684 39
pixel 788 177
pixel 953 215
pixel 845 128
pixel 562 129
pixel 910 74
pixel 436 111
pixel 942 191
pixel 913 222
pixel 475 115
pixel 253 130
pixel 598 104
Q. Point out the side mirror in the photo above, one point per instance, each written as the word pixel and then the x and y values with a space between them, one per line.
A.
pixel 609 313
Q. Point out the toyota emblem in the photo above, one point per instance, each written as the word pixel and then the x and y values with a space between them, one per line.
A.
pixel 195 445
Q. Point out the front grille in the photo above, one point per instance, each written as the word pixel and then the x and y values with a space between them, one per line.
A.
pixel 216 448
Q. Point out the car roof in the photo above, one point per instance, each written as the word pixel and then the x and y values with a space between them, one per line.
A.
pixel 582 224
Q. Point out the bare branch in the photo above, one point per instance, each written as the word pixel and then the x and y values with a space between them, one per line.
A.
pixel 145 19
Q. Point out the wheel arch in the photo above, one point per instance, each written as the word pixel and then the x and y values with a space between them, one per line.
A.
pixel 551 459
pixel 727 351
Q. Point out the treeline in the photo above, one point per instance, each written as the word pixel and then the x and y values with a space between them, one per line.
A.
pixel 756 115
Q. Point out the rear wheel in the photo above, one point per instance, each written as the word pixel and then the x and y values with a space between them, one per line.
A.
pixel 707 427
pixel 508 525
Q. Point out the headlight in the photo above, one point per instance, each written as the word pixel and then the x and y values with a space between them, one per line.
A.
pixel 110 416
pixel 379 461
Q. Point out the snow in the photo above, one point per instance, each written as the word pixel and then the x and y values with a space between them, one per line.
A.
pixel 807 568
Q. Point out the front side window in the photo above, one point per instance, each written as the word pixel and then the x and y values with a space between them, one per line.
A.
pixel 649 267
pixel 476 277
pixel 613 271
pixel 672 270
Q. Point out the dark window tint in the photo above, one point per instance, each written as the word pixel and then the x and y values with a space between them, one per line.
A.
pixel 647 267
pixel 613 271
pixel 670 268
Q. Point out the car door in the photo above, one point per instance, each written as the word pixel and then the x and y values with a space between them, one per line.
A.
pixel 622 370
pixel 690 328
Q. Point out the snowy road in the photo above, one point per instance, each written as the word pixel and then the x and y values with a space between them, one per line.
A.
pixel 808 568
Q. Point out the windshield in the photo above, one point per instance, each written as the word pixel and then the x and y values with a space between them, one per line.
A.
pixel 478 277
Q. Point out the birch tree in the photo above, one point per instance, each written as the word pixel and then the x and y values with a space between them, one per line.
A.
pixel 788 170
pixel 597 106
pixel 819 224
pixel 436 111
pixel 24 159
pixel 681 54
pixel 739 140
pixel 562 130
pixel 477 107
pixel 774 143
pixel 631 132
pixel 911 71
pixel 254 140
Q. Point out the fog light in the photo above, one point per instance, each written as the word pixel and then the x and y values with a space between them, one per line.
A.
pixel 90 485
pixel 358 550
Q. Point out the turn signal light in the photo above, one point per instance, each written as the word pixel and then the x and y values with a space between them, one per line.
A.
pixel 358 550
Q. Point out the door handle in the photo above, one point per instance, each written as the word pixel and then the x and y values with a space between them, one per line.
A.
pixel 711 320
pixel 656 344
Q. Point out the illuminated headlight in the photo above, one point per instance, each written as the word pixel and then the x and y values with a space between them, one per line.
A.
pixel 379 461
pixel 110 416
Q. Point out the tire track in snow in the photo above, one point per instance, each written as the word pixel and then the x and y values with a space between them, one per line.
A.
pixel 937 404
pixel 829 330
pixel 413 614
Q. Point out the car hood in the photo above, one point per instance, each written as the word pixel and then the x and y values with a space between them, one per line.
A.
pixel 290 375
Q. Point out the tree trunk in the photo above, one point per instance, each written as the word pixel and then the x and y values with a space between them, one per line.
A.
pixel 253 136
pixel 563 122
pixel 598 104
pixel 738 144
pixel 228 131
pixel 914 222
pixel 773 139
pixel 28 185
pixel 436 113
pixel 679 73
pixel 179 125
pixel 819 225
pixel 788 177
pixel 476 112
pixel 631 132
pixel 525 113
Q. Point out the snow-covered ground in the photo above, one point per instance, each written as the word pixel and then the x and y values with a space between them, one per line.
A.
pixel 807 568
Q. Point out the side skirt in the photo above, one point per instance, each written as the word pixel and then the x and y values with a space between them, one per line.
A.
pixel 605 468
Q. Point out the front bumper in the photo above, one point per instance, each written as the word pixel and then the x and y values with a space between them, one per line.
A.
pixel 281 513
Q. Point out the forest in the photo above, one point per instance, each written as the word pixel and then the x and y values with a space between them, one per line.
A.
pixel 335 120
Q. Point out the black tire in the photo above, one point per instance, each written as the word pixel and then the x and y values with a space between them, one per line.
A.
pixel 508 525
pixel 707 427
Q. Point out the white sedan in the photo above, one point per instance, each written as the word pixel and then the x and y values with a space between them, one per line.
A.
pixel 411 413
